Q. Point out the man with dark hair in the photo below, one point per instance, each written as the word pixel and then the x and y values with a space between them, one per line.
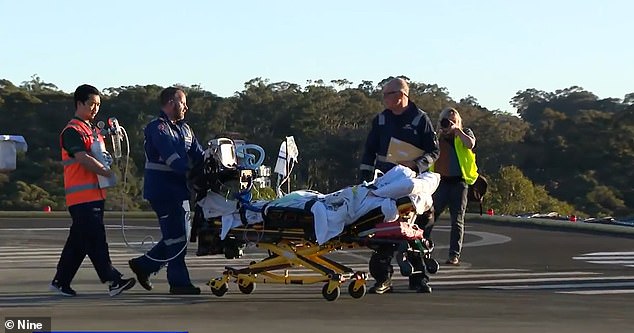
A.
pixel 171 149
pixel 85 199
pixel 404 121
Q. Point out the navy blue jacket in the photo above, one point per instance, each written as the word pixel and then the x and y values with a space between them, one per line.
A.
pixel 171 149
pixel 412 126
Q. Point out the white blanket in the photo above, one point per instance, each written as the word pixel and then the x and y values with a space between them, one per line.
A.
pixel 332 212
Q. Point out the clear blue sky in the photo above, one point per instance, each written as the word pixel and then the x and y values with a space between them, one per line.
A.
pixel 489 49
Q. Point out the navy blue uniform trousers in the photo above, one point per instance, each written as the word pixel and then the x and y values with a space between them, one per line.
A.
pixel 173 220
pixel 87 237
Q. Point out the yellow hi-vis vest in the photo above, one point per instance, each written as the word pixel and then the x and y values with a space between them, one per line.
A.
pixel 466 160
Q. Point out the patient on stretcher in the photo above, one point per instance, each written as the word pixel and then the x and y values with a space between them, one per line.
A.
pixel 300 229
pixel 323 217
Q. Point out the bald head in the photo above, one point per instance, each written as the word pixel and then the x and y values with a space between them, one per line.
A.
pixel 396 95
pixel 397 84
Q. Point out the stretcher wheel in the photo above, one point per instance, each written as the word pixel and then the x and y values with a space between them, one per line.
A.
pixel 333 295
pixel 249 288
pixel 220 291
pixel 431 265
pixel 360 292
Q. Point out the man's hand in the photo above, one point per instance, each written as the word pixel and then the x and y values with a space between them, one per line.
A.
pixel 92 164
pixel 108 173
pixel 409 164
pixel 365 175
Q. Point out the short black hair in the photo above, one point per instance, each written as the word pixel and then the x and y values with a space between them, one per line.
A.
pixel 83 92
pixel 168 94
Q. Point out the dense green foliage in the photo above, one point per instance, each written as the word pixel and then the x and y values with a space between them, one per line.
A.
pixel 568 144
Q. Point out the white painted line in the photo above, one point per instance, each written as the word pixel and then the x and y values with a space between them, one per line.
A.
pixel 149 243
pixel 609 254
pixel 37 229
pixel 620 262
pixel 124 258
pixel 50 251
pixel 130 227
pixel 501 275
pixel 565 286
pixel 603 258
pixel 536 280
pixel 66 228
pixel 447 270
pixel 598 292
pixel 487 239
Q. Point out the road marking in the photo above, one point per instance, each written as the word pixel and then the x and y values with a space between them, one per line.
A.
pixel 565 286
pixel 604 258
pixel 608 258
pixel 614 262
pixel 486 238
pixel 610 254
pixel 505 275
pixel 66 228
pixel 560 279
pixel 598 292
pixel 12 257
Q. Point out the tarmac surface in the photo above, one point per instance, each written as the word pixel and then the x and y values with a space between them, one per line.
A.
pixel 519 278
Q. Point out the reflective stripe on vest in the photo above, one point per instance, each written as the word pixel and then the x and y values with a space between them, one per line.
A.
pixel 80 184
pixel 79 188
pixel 381 119
pixel 366 167
pixel 157 166
pixel 69 161
pixel 172 158
pixel 414 122
pixel 417 119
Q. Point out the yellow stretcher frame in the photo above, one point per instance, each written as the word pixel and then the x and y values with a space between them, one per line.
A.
pixel 294 251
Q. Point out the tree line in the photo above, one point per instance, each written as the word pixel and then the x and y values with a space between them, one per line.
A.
pixel 566 151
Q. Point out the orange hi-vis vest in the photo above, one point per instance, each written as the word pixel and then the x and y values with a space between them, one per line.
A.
pixel 80 184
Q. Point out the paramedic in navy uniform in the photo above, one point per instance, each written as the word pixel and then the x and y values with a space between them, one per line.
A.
pixel 170 151
pixel 401 120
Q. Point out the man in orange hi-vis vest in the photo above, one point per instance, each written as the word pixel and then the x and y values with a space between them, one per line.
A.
pixel 85 199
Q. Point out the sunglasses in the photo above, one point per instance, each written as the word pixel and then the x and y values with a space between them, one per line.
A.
pixel 389 93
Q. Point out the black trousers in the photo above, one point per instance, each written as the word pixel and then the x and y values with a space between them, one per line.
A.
pixel 381 261
pixel 87 237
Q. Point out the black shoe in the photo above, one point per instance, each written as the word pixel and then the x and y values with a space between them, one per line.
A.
pixel 455 261
pixel 186 290
pixel 143 278
pixel 62 290
pixel 423 288
pixel 381 288
pixel 118 287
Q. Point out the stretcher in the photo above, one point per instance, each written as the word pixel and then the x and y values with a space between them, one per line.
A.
pixel 288 235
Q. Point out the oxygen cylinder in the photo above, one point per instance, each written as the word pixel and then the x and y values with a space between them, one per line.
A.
pixel 99 152
pixel 116 136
